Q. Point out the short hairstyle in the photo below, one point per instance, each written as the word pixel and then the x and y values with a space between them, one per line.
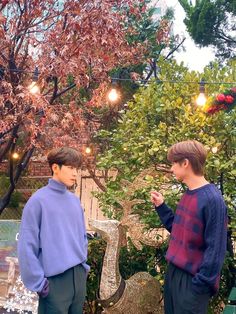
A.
pixel 192 150
pixel 64 156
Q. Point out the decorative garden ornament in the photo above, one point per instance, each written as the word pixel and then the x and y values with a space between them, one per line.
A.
pixel 139 294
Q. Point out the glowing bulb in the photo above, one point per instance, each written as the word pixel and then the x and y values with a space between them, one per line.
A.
pixel 113 95
pixel 87 150
pixel 201 99
pixel 214 150
pixel 34 88
pixel 15 155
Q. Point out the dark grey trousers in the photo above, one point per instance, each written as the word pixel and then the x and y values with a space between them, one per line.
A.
pixel 179 297
pixel 66 293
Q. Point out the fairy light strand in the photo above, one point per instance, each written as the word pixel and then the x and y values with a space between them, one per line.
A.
pixel 143 81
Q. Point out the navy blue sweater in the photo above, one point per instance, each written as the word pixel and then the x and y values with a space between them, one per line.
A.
pixel 198 235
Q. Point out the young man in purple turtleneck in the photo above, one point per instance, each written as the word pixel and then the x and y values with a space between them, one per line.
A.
pixel 198 232
pixel 52 247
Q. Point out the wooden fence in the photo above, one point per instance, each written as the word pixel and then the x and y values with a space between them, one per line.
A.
pixel 84 189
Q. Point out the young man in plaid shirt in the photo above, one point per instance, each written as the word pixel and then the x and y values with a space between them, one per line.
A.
pixel 198 232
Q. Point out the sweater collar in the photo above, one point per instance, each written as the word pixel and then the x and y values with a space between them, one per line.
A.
pixel 56 186
pixel 198 189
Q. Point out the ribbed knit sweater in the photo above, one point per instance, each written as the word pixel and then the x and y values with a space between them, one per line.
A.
pixel 198 235
pixel 52 235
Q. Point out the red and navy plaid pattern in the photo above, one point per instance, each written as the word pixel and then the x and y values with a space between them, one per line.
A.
pixel 186 241
pixel 198 235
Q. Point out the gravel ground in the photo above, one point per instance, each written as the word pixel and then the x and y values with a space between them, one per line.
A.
pixel 3 311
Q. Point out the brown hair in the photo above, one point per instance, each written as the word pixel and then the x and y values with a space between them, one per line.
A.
pixel 192 150
pixel 64 156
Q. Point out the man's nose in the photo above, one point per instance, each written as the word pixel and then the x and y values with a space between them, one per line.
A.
pixel 74 172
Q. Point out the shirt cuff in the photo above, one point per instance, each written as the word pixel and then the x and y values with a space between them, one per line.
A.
pixel 161 208
pixel 45 291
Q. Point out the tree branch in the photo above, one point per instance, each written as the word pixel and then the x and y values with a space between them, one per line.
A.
pixel 55 89
pixel 174 49
pixel 62 92
pixel 4 201
pixel 94 177
pixel 9 143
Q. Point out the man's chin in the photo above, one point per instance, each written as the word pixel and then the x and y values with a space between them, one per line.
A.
pixel 69 185
pixel 179 179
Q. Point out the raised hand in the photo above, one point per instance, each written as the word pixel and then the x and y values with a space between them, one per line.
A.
pixel 157 198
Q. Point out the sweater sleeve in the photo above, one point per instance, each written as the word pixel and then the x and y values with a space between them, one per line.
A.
pixel 85 238
pixel 166 215
pixel 215 238
pixel 31 270
pixel 86 266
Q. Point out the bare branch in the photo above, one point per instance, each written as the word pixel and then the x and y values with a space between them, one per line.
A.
pixel 62 92
pixel 174 49
pixel 95 178
pixel 4 201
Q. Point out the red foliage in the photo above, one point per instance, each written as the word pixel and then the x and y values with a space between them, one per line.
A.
pixel 70 42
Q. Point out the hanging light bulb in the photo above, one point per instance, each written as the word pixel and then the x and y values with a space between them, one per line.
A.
pixel 15 155
pixel 113 95
pixel 201 99
pixel 33 87
pixel 88 150
pixel 214 149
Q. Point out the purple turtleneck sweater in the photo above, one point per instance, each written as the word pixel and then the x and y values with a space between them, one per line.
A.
pixel 52 235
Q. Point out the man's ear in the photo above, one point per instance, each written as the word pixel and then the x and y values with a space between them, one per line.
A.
pixel 186 162
pixel 55 168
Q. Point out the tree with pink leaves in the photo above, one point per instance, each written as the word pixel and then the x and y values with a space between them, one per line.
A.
pixel 66 50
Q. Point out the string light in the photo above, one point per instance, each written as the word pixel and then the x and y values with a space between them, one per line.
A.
pixel 113 95
pixel 214 150
pixel 175 81
pixel 15 156
pixel 88 150
pixel 33 87
pixel 201 99
pixel 139 80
